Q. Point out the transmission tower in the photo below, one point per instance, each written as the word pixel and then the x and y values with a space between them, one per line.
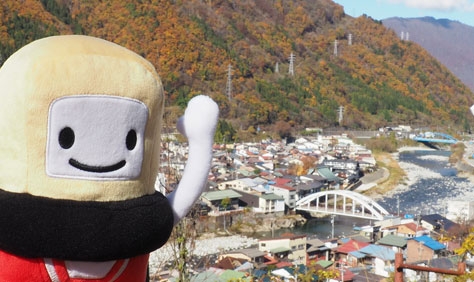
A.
pixel 291 70
pixel 340 111
pixel 407 36
pixel 350 39
pixel 277 68
pixel 402 36
pixel 335 47
pixel 228 88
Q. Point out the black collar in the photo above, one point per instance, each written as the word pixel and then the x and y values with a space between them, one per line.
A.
pixel 33 227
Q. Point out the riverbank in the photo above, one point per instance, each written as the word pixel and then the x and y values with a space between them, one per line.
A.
pixel 394 176
pixel 389 176
pixel 207 248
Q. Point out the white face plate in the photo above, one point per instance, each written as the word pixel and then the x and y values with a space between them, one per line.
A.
pixel 96 137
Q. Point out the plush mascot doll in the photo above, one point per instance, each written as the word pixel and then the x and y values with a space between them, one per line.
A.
pixel 80 122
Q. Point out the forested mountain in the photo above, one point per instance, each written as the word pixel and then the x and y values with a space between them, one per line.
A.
pixel 449 41
pixel 378 78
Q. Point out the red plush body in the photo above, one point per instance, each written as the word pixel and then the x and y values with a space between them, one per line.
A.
pixel 14 268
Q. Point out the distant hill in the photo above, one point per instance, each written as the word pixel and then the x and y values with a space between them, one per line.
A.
pixel 339 61
pixel 451 42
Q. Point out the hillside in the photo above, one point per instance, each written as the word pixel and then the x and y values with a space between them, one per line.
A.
pixel 378 79
pixel 449 41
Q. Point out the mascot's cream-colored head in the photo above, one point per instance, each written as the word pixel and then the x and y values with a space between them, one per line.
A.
pixel 83 117
pixel 80 119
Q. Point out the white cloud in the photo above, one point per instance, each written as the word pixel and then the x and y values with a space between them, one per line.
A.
pixel 439 5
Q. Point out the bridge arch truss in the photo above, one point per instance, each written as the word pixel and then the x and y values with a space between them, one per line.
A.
pixel 435 137
pixel 342 202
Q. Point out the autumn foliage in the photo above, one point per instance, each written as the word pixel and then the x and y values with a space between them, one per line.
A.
pixel 378 79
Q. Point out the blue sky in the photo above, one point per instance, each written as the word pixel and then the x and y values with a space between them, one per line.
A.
pixel 458 10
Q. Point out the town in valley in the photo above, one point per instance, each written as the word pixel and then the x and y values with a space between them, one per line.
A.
pixel 265 186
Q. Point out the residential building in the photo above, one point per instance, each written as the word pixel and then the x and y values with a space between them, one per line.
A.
pixel 460 211
pixel 330 177
pixel 407 230
pixel 262 202
pixel 214 199
pixel 316 250
pixel 288 193
pixel 422 248
pixel 271 203
pixel 438 223
pixel 380 257
pixel 252 255
pixel 290 273
pixel 342 252
pixel 241 184
pixel 305 189
pixel 341 164
pixel 397 243
pixel 287 247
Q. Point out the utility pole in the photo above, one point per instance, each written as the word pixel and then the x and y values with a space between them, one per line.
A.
pixel 335 47
pixel 332 226
pixel 291 70
pixel 228 88
pixel 398 205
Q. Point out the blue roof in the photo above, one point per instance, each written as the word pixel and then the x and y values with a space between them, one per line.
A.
pixel 382 252
pixel 259 273
pixel 430 242
pixel 301 269
pixel 357 254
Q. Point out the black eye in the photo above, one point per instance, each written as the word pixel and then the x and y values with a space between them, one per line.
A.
pixel 66 138
pixel 131 140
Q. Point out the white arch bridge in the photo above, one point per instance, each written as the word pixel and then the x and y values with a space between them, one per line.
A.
pixel 342 202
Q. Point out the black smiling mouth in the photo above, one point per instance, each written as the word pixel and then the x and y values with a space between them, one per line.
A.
pixel 98 169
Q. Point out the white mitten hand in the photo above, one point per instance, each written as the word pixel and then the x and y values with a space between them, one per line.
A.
pixel 199 120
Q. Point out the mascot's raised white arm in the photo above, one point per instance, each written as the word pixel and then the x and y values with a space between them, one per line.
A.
pixel 197 125
pixel 81 122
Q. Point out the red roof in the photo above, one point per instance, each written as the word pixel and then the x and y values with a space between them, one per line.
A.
pixel 282 264
pixel 269 260
pixel 348 275
pixel 284 187
pixel 282 181
pixel 351 245
pixel 413 226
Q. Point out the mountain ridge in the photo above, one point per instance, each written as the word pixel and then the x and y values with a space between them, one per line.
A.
pixel 447 40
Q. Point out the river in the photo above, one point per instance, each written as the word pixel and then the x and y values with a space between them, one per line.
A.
pixel 430 183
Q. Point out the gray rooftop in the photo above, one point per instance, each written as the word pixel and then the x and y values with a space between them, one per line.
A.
pixel 220 194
